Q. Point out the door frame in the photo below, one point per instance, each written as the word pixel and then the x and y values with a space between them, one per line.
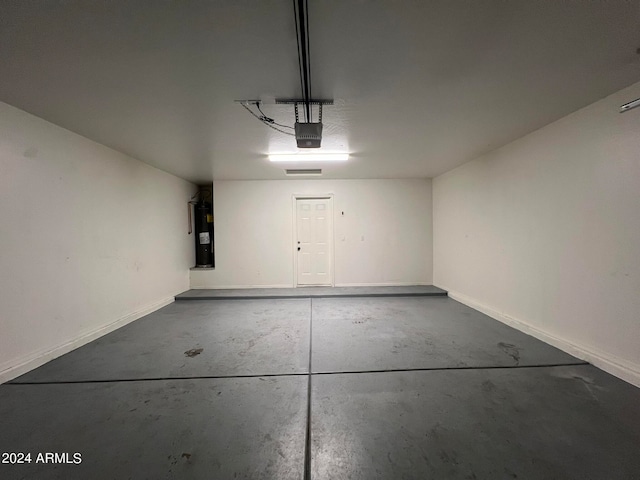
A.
pixel 294 246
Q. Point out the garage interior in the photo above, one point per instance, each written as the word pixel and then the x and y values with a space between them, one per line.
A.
pixel 449 290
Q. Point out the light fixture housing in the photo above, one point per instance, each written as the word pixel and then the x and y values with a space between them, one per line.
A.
pixel 308 157
pixel 628 106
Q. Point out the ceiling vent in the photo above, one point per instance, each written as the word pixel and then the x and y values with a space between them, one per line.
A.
pixel 303 171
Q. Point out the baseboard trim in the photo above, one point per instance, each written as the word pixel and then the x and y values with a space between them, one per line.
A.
pixel 384 284
pixel 16 367
pixel 612 364
pixel 290 285
pixel 239 287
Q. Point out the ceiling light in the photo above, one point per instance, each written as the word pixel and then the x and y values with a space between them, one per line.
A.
pixel 628 106
pixel 308 157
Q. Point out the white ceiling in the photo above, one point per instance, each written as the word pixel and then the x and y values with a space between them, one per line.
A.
pixel 420 86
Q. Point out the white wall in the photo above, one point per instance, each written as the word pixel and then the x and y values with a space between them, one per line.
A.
pixel 544 233
pixel 89 240
pixel 254 232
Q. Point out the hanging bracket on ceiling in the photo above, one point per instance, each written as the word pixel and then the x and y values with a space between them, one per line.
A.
pixel 293 101
pixel 308 133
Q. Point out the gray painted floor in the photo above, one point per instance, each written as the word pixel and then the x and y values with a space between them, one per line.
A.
pixel 249 337
pixel 441 391
pixel 355 334
pixel 205 428
pixel 528 423
pixel 312 292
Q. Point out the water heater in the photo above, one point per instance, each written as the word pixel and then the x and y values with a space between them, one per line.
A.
pixel 204 234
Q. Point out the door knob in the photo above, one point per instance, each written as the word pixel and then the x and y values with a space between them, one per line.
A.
pixel 298 248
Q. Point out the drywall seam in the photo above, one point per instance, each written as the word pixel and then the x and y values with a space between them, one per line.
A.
pixel 20 366
pixel 627 371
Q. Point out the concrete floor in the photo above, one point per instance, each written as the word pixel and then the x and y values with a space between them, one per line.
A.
pixel 312 292
pixel 396 388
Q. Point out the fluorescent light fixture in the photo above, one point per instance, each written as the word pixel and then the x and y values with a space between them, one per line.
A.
pixel 628 106
pixel 308 157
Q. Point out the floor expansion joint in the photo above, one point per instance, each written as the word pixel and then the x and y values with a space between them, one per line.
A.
pixel 268 375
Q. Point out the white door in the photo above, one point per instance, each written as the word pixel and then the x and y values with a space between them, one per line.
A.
pixel 313 241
